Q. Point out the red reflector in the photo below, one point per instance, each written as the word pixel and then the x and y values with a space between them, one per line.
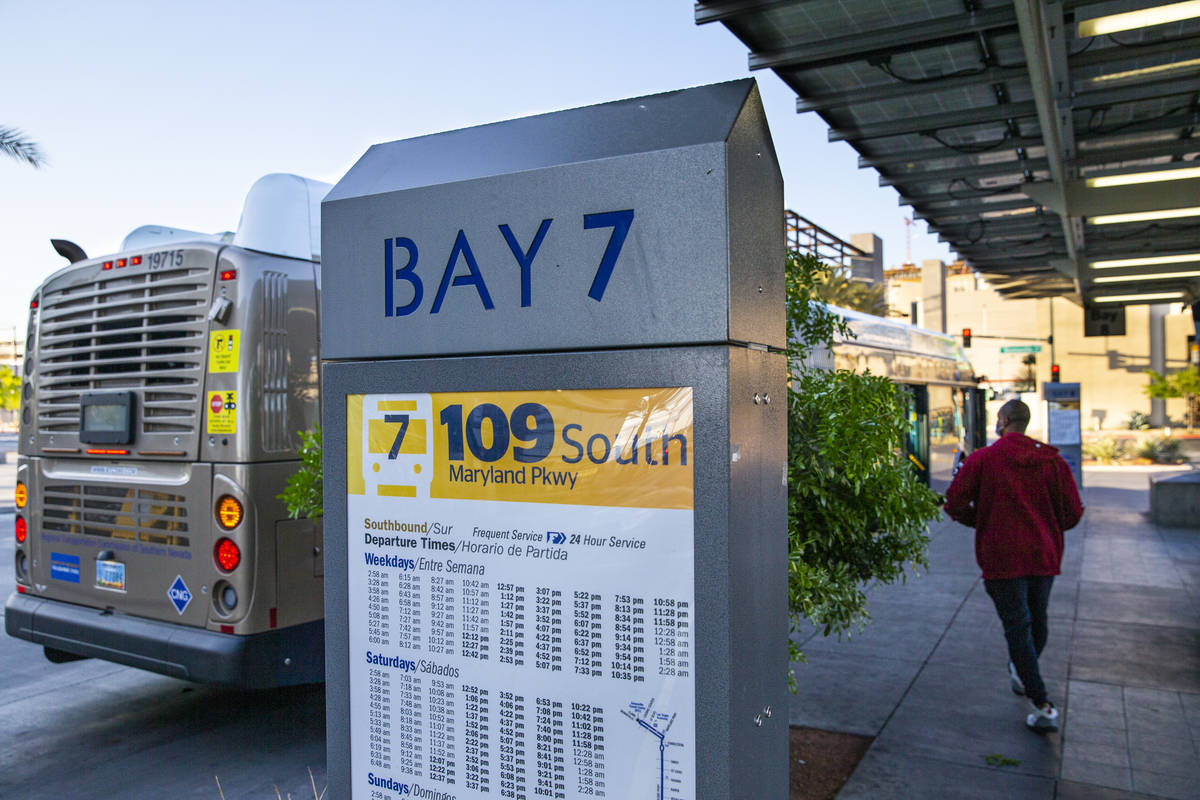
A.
pixel 108 265
pixel 33 303
pixel 21 530
pixel 228 274
pixel 226 629
pixel 122 262
pixel 107 452
pixel 273 617
pixel 227 555
pixel 135 260
pixel 20 589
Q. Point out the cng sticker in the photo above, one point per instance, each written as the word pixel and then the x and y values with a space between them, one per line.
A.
pixel 223 350
pixel 179 594
pixel 222 412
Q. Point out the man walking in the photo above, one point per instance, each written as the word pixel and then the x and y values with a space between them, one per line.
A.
pixel 1020 496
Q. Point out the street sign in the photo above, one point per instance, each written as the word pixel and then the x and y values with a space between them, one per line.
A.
pixel 1022 348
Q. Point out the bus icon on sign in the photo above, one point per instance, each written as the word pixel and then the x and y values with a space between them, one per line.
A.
pixel 398 458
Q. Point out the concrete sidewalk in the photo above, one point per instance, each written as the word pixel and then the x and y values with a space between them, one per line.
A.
pixel 928 678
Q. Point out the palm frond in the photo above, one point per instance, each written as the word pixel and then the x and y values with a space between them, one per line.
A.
pixel 15 144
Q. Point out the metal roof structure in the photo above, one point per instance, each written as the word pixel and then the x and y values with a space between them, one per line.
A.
pixel 994 119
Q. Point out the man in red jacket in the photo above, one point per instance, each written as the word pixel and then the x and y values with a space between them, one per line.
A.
pixel 1020 496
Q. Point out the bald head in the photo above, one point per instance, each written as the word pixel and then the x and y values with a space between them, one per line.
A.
pixel 1013 417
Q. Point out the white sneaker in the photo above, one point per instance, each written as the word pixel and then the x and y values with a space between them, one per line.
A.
pixel 1043 718
pixel 1017 686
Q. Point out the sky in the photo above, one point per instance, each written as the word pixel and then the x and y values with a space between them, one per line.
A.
pixel 165 113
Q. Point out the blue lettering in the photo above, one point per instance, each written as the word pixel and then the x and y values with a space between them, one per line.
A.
pixel 390 784
pixel 568 440
pixel 473 277
pixel 619 221
pixel 633 447
pixel 678 437
pixel 603 441
pixel 407 273
pixel 525 260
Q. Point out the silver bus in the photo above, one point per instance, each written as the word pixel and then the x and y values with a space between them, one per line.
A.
pixel 946 407
pixel 162 394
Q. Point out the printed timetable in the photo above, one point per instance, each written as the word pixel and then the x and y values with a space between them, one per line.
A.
pixel 522 607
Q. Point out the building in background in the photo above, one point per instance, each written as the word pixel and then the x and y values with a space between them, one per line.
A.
pixel 1010 340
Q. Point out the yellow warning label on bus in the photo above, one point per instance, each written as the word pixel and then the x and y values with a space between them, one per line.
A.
pixel 222 412
pixel 223 350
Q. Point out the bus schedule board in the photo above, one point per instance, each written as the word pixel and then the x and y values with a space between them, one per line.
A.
pixel 521 569
pixel 1063 428
pixel 505 310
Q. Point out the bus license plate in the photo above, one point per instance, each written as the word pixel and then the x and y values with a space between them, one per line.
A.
pixel 110 575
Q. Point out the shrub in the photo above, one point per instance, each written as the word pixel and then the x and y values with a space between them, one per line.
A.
pixel 304 495
pixel 856 510
pixel 1138 421
pixel 1106 450
pixel 1161 449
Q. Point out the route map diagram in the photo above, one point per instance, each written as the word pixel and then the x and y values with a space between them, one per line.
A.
pixel 658 723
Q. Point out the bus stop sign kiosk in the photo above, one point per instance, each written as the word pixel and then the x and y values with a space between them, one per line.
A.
pixel 1063 427
pixel 555 458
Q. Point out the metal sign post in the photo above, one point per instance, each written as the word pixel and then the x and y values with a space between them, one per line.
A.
pixel 1063 424
pixel 555 458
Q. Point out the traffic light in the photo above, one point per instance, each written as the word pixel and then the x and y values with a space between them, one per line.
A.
pixel 966 337
pixel 1055 373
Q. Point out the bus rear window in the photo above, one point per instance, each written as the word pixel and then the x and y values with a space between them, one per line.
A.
pixel 106 418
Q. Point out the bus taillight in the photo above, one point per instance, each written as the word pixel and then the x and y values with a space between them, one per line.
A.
pixel 229 512
pixel 227 555
pixel 20 496
pixel 21 530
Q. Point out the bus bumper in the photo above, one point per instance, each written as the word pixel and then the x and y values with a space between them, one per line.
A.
pixel 282 657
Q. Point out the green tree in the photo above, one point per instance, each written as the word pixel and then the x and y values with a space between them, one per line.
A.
pixel 835 287
pixel 1028 380
pixel 16 145
pixel 10 389
pixel 856 510
pixel 1184 383
pixel 304 495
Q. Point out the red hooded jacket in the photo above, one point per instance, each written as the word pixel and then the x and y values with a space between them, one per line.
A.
pixel 1020 496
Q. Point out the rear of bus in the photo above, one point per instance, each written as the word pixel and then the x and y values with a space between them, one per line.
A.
pixel 163 391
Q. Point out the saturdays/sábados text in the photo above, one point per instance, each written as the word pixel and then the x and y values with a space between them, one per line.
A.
pixel 407 665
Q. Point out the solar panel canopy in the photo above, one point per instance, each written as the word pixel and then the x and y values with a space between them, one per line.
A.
pixel 1055 146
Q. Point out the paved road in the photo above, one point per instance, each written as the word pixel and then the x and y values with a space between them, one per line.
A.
pixel 91 729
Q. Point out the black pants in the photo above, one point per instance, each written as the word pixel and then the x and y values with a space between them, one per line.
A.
pixel 1021 604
